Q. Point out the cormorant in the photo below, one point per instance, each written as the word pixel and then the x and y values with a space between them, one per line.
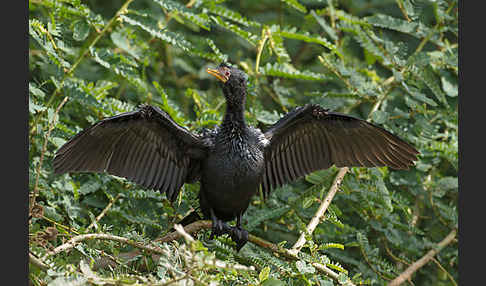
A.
pixel 147 147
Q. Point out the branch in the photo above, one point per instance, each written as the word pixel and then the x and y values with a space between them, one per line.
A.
pixel 102 214
pixel 190 228
pixel 320 212
pixel 37 262
pixel 422 261
pixel 206 224
pixel 75 240
pixel 44 148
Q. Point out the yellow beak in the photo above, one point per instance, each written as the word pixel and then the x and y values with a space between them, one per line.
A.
pixel 217 74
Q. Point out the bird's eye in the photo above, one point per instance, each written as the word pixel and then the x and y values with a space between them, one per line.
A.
pixel 227 73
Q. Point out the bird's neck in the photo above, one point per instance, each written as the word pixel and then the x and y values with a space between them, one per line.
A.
pixel 234 117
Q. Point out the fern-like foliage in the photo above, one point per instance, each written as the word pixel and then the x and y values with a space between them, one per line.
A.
pixel 394 63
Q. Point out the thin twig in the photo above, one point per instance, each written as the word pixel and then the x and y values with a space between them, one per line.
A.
pixel 44 148
pixel 422 261
pixel 443 269
pixel 320 212
pixel 102 214
pixel 102 236
pixel 66 228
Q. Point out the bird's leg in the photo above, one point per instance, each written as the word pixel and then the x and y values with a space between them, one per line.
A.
pixel 219 227
pixel 238 234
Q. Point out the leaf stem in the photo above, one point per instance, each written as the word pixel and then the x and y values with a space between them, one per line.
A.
pixel 261 45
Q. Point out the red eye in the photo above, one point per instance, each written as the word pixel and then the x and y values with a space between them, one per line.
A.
pixel 227 73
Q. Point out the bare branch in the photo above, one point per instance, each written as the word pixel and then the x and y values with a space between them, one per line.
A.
pixel 37 262
pixel 75 240
pixel 320 212
pixel 422 261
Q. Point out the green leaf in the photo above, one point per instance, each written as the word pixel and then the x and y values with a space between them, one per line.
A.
pixel 415 93
pixel 232 15
pixel 307 202
pixel 89 187
pixel 379 116
pixel 267 117
pixel 331 245
pixel 249 37
pixel 264 273
pixel 150 25
pixel 219 55
pixel 273 282
pixel 328 29
pixel 449 84
pixel 342 278
pixel 306 37
pixel 296 5
pixel 81 30
pixel 431 80
pixel 448 183
pixel 415 29
pixel 122 65
pixel 36 91
pixel 39 33
pixel 200 20
pixel 276 43
pixel 304 268
pixel 288 71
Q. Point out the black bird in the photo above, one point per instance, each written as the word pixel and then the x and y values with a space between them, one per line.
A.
pixel 147 147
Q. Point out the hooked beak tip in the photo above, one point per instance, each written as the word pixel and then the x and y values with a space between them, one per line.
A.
pixel 216 73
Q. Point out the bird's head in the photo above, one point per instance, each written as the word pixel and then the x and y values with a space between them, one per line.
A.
pixel 234 81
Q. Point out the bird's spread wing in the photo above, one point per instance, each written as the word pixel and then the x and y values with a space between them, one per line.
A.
pixel 145 146
pixel 311 138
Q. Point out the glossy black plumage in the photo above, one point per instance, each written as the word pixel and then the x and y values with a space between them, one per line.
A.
pixel 147 147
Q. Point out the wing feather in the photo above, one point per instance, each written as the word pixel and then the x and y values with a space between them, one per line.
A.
pixel 311 138
pixel 145 146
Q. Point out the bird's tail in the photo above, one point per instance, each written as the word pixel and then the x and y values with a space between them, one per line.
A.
pixel 190 218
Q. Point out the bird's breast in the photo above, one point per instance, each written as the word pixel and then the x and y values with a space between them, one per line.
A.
pixel 232 173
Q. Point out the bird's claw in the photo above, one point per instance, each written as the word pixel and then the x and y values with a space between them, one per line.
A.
pixel 239 236
pixel 219 228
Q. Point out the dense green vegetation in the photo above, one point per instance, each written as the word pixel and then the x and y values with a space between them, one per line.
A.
pixel 393 62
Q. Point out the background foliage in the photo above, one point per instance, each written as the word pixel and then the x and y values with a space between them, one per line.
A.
pixel 395 62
